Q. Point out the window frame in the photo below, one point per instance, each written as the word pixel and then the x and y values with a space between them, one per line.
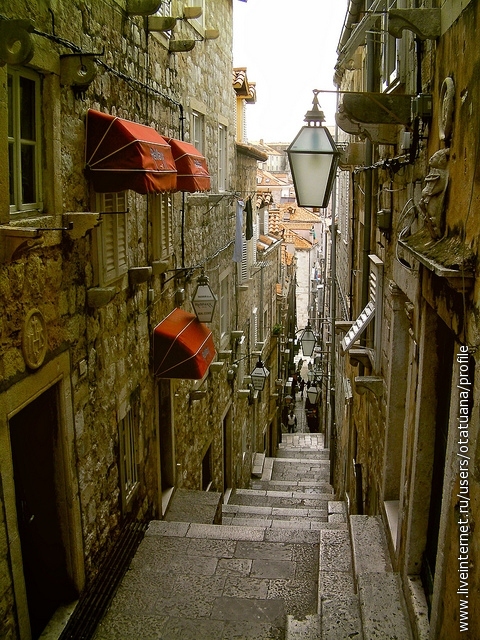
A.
pixel 197 130
pixel 393 54
pixel 128 427
pixel 222 157
pixel 14 106
pixel 161 210
pixel 112 223
pixel 197 23
pixel 224 307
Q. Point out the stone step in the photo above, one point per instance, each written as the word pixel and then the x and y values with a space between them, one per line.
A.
pixel 258 464
pixel 194 580
pixel 285 499
pixel 301 452
pixel 369 545
pixel 338 602
pixel 273 516
pixel 304 475
pixel 303 486
pixel 382 603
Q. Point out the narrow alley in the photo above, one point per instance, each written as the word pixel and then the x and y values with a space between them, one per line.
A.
pixel 284 563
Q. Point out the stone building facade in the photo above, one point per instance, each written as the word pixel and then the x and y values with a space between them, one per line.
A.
pixel 405 439
pixel 91 436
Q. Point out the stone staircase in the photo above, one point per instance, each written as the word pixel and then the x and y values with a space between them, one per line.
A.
pixel 284 564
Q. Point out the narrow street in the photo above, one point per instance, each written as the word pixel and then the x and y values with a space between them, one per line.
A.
pixel 280 565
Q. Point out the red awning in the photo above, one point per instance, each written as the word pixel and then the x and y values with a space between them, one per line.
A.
pixel 182 347
pixel 121 154
pixel 192 170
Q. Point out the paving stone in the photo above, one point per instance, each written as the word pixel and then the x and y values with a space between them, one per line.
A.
pixel 246 587
pixel 341 619
pixel 250 609
pixel 234 566
pixel 273 569
pixel 221 532
pixel 370 550
pixel 335 551
pixel 163 528
pixel 308 628
pixel 382 605
pixel 336 584
pixel 278 567
pixel 265 550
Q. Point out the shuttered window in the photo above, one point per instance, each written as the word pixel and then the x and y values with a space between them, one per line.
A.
pixel 112 236
pixel 372 309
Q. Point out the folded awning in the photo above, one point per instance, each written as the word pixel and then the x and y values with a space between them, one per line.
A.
pixel 192 170
pixel 121 154
pixel 182 347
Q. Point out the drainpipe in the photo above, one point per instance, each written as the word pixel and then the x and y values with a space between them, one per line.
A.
pixel 368 177
pixel 332 436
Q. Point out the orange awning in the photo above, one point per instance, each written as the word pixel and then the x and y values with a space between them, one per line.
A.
pixel 121 154
pixel 192 170
pixel 182 347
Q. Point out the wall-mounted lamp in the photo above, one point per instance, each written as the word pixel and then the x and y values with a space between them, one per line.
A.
pixel 204 300
pixel 259 375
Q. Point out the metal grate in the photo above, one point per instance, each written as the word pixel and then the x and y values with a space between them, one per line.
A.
pixel 95 599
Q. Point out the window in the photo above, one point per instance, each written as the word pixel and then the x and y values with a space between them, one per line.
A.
pixel 222 157
pixel 112 236
pixel 24 150
pixel 198 131
pixel 374 308
pixel 243 265
pixel 343 200
pixel 392 49
pixel 224 307
pixel 198 23
pixel 254 329
pixel 161 207
pixel 165 8
pixel 128 455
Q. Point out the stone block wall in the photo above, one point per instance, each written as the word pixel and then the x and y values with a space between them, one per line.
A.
pixel 108 344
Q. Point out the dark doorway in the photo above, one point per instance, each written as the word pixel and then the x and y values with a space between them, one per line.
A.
pixel 445 349
pixel 167 458
pixel 36 468
pixel 227 452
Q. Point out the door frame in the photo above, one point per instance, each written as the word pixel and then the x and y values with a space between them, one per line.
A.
pixel 12 401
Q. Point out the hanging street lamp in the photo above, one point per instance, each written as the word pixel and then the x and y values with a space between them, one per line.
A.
pixel 313 158
pixel 204 300
pixel 308 341
pixel 313 393
pixel 259 375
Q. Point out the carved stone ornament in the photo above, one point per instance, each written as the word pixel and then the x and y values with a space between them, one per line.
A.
pixel 432 202
pixel 447 103
pixel 34 339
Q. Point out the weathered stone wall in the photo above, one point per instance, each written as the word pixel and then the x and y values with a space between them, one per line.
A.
pixel 425 299
pixel 109 345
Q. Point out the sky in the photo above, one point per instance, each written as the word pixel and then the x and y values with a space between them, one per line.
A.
pixel 289 48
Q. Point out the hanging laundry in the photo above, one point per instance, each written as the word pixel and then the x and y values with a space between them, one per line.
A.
pixel 237 250
pixel 249 222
